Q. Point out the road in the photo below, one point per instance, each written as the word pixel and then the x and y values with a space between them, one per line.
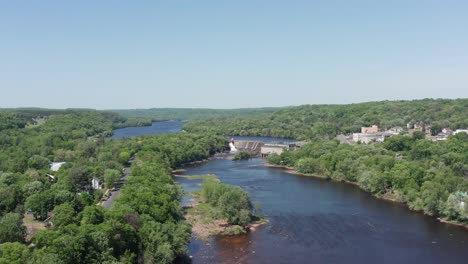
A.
pixel 116 191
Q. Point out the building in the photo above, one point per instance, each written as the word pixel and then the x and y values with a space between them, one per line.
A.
pixel 395 130
pixel 269 149
pixel 367 138
pixel 371 137
pixel 418 127
pixel 369 130
pixel 96 184
pixel 447 131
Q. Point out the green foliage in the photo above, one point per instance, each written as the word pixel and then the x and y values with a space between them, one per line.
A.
pixel 190 114
pixel 111 176
pixel 456 207
pixel 92 215
pixel 38 162
pixel 242 155
pixel 40 203
pixel 309 166
pixel 14 253
pixel 234 230
pixel 326 121
pixel 11 228
pixel 231 202
pixel 163 242
pixel 83 232
pixel 64 214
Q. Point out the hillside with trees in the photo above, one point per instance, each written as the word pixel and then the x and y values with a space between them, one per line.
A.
pixel 160 114
pixel 326 121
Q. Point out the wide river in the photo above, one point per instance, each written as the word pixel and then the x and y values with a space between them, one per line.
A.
pixel 313 220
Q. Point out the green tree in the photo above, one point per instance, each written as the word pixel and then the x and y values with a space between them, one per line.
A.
pixel 92 214
pixel 40 203
pixel 111 176
pixel 64 214
pixel 11 228
pixel 418 135
pixel 13 253
pixel 242 155
pixel 124 157
pixel 38 162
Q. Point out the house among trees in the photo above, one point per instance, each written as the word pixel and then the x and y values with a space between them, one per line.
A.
pixel 395 130
pixel 370 130
pixel 96 184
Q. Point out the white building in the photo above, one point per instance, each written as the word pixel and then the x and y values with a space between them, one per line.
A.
pixel 96 184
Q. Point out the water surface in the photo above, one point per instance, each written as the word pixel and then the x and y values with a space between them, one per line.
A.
pixel 161 127
pixel 319 221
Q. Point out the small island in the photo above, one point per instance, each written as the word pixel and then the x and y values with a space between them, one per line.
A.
pixel 221 209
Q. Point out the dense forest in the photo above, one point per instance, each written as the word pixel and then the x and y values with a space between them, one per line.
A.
pixel 159 114
pixel 143 224
pixel 427 176
pixel 326 121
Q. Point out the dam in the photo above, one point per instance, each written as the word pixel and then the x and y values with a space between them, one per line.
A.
pixel 263 149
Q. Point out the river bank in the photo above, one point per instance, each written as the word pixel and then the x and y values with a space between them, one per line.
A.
pixel 386 197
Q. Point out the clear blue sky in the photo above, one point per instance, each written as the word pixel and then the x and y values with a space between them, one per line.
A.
pixel 230 54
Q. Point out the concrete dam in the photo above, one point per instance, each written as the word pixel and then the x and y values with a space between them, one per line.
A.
pixel 251 146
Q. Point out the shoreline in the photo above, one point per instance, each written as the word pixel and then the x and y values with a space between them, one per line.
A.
pixel 291 170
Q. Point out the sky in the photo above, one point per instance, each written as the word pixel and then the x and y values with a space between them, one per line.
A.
pixel 230 54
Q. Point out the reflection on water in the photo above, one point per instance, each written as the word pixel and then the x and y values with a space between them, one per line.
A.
pixel 318 221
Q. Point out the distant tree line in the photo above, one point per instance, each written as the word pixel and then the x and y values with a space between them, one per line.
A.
pixel 326 121
pixel 159 114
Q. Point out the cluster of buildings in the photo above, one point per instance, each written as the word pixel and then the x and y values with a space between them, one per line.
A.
pixel 373 134
pixel 445 133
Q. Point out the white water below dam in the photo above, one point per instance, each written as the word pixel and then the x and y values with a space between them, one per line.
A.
pixel 233 148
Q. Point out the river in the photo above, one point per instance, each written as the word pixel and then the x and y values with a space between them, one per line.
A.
pixel 319 221
pixel 312 220
pixel 162 127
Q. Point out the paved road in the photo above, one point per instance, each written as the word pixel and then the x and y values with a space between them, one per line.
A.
pixel 116 193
